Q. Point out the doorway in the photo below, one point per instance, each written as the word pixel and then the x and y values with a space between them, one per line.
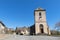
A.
pixel 41 28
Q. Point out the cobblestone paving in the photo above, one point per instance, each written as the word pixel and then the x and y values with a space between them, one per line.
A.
pixel 19 37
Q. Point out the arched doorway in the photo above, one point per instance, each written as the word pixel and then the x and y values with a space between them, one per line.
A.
pixel 41 28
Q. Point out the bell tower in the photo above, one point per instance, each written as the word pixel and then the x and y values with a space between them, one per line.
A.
pixel 41 26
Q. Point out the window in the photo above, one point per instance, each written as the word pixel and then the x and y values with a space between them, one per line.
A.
pixel 40 16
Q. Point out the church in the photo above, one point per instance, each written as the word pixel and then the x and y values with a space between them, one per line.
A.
pixel 40 24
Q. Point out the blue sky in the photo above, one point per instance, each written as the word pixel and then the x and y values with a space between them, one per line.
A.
pixel 21 12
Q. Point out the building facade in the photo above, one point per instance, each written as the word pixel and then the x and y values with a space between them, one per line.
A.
pixel 2 28
pixel 41 26
pixel 22 30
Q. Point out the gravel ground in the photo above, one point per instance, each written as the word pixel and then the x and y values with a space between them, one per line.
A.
pixel 19 37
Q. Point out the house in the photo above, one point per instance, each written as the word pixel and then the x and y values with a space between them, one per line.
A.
pixel 2 28
pixel 22 30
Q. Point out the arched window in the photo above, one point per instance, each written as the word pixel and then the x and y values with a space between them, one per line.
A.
pixel 40 15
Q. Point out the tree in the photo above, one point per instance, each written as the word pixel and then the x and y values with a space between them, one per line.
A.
pixel 57 27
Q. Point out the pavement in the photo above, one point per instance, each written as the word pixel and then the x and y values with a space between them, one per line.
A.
pixel 22 37
pixel 2 36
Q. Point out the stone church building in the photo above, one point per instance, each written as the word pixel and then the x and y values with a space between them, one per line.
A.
pixel 40 26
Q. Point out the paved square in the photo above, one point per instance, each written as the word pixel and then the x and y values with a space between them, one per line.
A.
pixel 19 37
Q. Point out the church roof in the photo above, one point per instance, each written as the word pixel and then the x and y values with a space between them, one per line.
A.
pixel 39 9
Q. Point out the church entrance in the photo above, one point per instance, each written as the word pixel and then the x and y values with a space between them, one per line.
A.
pixel 41 28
